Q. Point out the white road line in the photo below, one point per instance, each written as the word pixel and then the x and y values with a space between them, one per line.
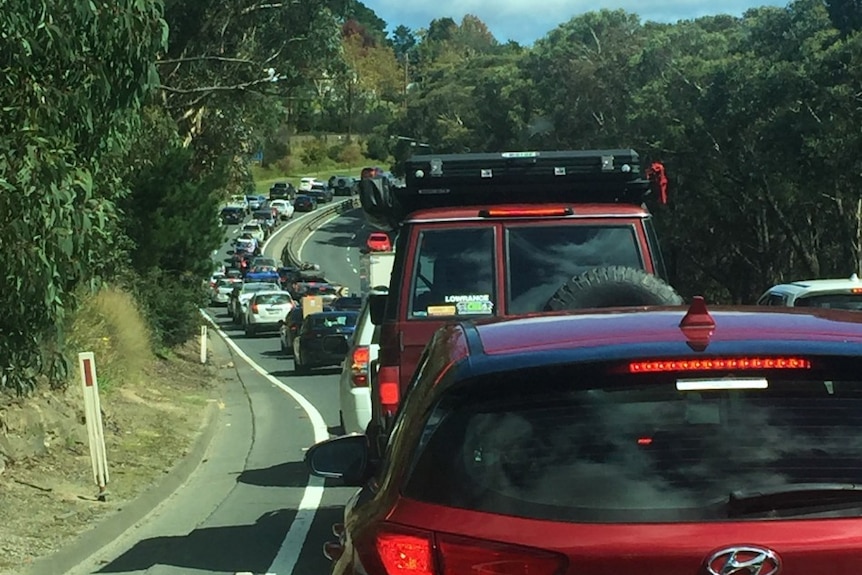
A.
pixel 288 554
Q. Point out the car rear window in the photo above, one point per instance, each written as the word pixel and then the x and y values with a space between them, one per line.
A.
pixel 345 320
pixel 273 299
pixel 543 258
pixel 454 273
pixel 832 301
pixel 579 446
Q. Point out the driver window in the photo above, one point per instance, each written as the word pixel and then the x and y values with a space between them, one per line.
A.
pixel 454 273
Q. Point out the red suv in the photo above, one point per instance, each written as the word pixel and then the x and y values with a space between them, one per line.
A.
pixel 661 441
pixel 483 235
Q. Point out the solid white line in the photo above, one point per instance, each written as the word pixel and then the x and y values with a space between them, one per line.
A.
pixel 288 554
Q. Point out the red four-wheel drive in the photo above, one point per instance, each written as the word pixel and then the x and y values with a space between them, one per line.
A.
pixel 500 235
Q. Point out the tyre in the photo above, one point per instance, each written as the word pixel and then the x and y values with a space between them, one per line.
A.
pixel 613 286
pixel 298 367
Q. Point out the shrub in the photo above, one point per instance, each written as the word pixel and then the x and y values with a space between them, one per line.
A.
pixel 314 152
pixel 111 324
pixel 350 154
pixel 171 303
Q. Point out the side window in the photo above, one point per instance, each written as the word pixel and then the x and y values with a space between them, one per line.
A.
pixel 774 299
pixel 453 274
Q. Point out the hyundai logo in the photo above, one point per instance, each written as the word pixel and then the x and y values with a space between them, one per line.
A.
pixel 743 561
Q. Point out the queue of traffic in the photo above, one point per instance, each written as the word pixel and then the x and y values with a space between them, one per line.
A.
pixel 544 402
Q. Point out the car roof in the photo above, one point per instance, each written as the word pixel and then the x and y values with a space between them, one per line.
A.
pixel 580 211
pixel 623 334
pixel 804 287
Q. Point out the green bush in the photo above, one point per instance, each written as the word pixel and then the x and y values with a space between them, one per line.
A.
pixel 314 152
pixel 171 304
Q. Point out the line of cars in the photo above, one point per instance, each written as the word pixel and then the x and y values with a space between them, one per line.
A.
pixel 546 404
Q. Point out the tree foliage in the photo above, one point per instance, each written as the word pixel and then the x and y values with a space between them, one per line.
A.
pixel 75 74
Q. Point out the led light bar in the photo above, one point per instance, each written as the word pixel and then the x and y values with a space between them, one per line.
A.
pixel 719 364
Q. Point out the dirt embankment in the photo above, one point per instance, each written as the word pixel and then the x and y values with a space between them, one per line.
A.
pixel 153 410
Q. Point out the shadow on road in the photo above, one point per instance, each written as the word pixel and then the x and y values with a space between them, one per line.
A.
pixel 235 548
pixel 288 474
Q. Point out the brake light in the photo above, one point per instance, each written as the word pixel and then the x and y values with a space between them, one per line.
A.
pixel 525 212
pixel 405 551
pixel 855 290
pixel 359 367
pixel 389 388
pixel 719 364
pixel 254 307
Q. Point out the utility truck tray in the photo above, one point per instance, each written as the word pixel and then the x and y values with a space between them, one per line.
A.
pixel 453 180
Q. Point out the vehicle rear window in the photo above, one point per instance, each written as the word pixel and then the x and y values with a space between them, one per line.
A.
pixel 543 258
pixel 454 273
pixel 580 447
pixel 346 320
pixel 832 301
pixel 273 299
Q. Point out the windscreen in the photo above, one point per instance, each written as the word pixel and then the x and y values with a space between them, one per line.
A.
pixel 543 258
pixel 255 287
pixel 851 301
pixel 333 320
pixel 273 299
pixel 583 446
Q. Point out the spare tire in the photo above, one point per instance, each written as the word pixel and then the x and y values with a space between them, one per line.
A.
pixel 613 286
pixel 379 203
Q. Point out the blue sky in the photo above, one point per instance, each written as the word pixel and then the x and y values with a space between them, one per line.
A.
pixel 527 20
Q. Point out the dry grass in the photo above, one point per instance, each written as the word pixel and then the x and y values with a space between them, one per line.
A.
pixel 111 325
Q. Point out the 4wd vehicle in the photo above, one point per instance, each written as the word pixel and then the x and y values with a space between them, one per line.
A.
pixel 484 235
pixel 282 191
pixel 342 185
pixel 611 442
pixel 826 293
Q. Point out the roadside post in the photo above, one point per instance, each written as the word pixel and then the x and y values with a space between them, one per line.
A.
pixel 93 413
pixel 203 343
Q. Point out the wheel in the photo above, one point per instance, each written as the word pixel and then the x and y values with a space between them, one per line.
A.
pixel 613 286
pixel 298 367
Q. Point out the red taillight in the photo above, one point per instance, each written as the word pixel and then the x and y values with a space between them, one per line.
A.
pixel 405 553
pixel 855 290
pixel 389 388
pixel 525 212
pixel 359 367
pixel 720 364
pixel 254 308
pixel 413 552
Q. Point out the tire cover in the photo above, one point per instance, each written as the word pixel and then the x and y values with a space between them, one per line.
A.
pixel 613 286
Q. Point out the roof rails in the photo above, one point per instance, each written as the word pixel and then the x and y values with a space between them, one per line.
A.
pixel 451 180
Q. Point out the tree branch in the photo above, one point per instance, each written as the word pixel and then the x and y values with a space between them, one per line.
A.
pixel 205 58
pixel 241 87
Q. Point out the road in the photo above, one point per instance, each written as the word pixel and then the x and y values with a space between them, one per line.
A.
pixel 251 507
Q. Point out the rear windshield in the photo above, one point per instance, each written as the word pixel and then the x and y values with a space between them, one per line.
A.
pixel 250 288
pixel 832 301
pixel 346 320
pixel 543 258
pixel 273 299
pixel 582 447
pixel 454 273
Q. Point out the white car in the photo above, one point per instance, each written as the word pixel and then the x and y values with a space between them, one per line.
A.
pixel 822 293
pixel 238 311
pixel 354 391
pixel 266 310
pixel 239 201
pixel 255 229
pixel 283 208
pixel 222 290
pixel 305 184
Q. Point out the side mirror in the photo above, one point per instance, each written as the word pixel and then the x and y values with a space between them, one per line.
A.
pixel 377 307
pixel 344 458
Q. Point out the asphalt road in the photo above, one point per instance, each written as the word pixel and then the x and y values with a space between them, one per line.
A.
pixel 251 506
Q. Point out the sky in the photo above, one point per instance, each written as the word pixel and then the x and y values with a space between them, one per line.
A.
pixel 528 20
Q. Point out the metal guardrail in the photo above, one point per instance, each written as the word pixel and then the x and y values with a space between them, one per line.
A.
pixel 290 255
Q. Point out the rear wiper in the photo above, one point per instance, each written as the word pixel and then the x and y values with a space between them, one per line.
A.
pixel 792 496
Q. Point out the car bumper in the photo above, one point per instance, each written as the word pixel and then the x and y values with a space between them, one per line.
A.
pixel 355 408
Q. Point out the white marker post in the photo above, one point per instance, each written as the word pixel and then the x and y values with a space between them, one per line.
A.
pixel 203 344
pixel 93 412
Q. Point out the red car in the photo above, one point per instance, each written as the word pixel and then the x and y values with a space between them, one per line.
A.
pixel 378 242
pixel 653 441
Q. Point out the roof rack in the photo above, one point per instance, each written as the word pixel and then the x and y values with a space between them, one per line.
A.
pixel 451 180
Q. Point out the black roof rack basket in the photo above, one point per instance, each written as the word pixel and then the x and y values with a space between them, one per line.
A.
pixel 452 180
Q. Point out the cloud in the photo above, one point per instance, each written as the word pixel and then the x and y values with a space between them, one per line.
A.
pixel 520 20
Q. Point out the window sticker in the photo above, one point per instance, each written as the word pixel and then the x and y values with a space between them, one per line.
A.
pixel 442 310
pixel 474 307
pixel 467 298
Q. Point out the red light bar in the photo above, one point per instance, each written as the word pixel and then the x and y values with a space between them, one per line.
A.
pixel 719 364
pixel 525 212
